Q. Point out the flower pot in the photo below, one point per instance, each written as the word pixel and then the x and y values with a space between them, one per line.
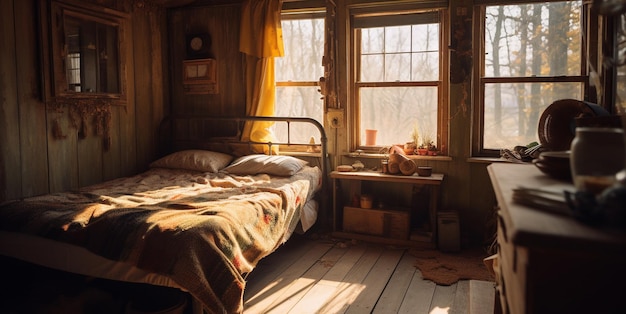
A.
pixel 370 137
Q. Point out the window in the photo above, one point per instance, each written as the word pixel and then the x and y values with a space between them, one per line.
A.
pixel 531 55
pixel 400 70
pixel 298 74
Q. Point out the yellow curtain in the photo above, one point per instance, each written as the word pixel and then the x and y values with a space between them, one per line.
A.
pixel 261 40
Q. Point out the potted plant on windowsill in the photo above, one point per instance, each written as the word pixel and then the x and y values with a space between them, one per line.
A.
pixel 432 149
pixel 422 149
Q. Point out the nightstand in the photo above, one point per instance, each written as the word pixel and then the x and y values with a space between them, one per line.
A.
pixel 383 223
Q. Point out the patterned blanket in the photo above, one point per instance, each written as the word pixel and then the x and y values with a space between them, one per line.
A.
pixel 204 231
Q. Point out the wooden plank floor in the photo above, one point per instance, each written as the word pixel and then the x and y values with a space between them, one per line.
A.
pixel 330 276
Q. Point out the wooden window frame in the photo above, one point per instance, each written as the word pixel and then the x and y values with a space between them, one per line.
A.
pixel 442 84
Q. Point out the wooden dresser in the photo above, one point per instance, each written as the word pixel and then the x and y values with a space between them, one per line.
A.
pixel 551 263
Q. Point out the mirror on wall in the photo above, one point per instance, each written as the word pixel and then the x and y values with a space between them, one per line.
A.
pixel 87 47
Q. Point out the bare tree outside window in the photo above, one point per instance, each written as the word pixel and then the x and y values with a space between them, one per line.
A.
pixel 533 56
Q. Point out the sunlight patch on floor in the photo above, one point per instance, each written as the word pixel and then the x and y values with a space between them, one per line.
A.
pixel 440 310
pixel 303 296
pixel 344 295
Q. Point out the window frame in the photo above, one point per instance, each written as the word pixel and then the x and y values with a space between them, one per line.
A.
pixel 442 84
pixel 480 81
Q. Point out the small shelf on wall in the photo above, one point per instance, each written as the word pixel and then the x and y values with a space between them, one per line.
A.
pixel 200 76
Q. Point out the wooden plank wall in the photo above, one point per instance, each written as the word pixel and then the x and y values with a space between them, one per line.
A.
pixel 10 165
pixel 221 22
pixel 34 158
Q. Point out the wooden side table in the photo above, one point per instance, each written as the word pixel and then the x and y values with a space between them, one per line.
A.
pixel 384 223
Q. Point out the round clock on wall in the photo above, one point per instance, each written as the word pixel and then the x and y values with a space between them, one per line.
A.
pixel 198 45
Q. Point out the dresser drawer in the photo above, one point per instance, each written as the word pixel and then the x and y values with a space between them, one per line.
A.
pixel 513 261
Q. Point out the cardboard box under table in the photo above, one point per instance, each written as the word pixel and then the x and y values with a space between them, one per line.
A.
pixel 380 222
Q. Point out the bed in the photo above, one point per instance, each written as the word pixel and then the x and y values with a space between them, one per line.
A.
pixel 198 220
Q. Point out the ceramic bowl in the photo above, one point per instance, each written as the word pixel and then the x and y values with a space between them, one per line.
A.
pixel 424 171
pixel 555 164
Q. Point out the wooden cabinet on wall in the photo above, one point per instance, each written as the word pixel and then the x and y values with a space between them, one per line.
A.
pixel 553 263
pixel 199 76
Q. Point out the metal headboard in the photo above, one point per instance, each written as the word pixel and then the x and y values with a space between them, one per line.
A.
pixel 230 131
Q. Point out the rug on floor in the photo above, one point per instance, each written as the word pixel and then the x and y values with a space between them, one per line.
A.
pixel 448 268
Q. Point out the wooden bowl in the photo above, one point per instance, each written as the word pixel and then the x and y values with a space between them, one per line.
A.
pixel 424 171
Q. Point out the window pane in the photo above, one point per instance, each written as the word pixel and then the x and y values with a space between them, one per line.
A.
pixel 372 68
pixel 398 39
pixel 304 48
pixel 425 37
pixel 539 39
pixel 425 66
pixel 512 111
pixel 372 39
pixel 298 102
pixel 394 111
pixel 396 67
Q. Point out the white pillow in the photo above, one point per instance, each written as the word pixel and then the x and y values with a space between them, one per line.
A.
pixel 194 159
pixel 270 164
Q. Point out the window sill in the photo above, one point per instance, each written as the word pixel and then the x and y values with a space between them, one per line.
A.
pixel 486 160
pixel 382 156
